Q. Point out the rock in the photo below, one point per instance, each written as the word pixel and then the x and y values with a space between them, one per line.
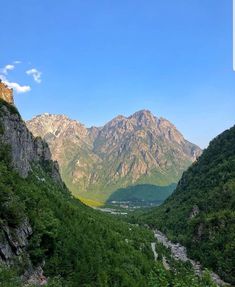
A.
pixel 6 93
pixel 121 153
pixel 165 263
pixel 25 149
pixel 153 246
pixel 34 277
pixel 25 152
pixel 195 211
pixel 179 252
pixel 13 241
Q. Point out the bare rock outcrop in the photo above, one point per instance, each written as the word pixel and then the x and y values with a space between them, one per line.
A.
pixel 6 93
pixel 25 153
pixel 24 148
pixel 13 252
pixel 13 241
pixel 125 151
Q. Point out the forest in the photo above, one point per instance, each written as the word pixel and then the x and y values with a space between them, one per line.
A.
pixel 76 245
pixel 201 212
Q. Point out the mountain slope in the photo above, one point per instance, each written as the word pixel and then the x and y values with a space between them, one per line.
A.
pixel 96 162
pixel 47 236
pixel 201 211
pixel 43 226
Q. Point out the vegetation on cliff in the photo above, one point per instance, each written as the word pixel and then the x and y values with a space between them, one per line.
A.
pixel 76 245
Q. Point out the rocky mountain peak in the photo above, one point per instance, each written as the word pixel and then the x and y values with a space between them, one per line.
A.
pixel 52 125
pixel 142 113
pixel 143 118
pixel 117 121
pixel 125 151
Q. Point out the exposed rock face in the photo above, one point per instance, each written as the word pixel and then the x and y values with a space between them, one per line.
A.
pixel 13 241
pixel 35 277
pixel 25 149
pixel 195 211
pixel 25 152
pixel 127 150
pixel 6 94
pixel 13 252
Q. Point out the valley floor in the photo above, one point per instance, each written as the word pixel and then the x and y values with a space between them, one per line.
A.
pixel 125 207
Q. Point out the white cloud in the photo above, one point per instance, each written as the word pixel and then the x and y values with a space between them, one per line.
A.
pixel 18 88
pixel 7 68
pixel 17 62
pixel 35 74
pixel 15 86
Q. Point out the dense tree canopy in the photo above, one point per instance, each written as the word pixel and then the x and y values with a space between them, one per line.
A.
pixel 79 246
pixel 201 212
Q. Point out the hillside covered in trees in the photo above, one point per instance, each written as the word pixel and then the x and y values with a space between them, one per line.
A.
pixel 46 235
pixel 66 238
pixel 201 212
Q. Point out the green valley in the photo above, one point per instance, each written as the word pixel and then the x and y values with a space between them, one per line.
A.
pixel 117 143
pixel 49 237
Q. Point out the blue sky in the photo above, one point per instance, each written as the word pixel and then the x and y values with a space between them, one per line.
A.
pixel 99 59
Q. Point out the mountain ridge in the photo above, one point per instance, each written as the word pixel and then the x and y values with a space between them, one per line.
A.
pixel 97 161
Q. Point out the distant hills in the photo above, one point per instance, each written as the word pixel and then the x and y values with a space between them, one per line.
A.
pixel 201 212
pixel 96 162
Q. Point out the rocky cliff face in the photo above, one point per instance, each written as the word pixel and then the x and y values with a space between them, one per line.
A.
pixel 13 241
pixel 25 152
pixel 25 149
pixel 6 94
pixel 128 150
pixel 13 252
pixel 142 143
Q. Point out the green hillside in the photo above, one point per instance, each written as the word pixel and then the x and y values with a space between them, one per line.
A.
pixel 75 245
pixel 201 212
pixel 143 192
pixel 80 246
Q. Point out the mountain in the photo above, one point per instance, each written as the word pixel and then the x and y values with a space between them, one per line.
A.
pixel 201 212
pixel 137 150
pixel 46 235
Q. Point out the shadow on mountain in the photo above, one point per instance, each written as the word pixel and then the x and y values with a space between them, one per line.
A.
pixel 143 193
